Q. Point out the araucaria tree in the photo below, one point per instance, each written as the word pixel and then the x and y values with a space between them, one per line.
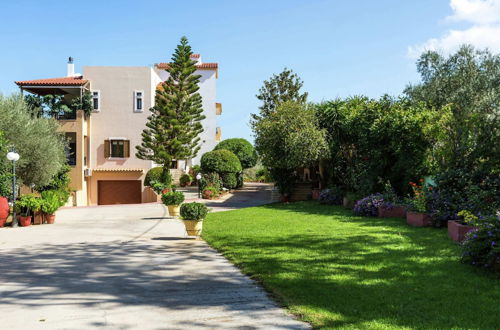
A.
pixel 174 126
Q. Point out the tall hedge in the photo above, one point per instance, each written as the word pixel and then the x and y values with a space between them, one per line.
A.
pixel 220 161
pixel 243 149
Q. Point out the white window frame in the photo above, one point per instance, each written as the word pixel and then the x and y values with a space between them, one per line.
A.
pixel 98 100
pixel 135 100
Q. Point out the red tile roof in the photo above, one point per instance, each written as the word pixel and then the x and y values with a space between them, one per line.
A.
pixel 195 55
pixel 202 66
pixel 65 81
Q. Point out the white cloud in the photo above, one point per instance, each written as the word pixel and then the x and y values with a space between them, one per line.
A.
pixel 483 32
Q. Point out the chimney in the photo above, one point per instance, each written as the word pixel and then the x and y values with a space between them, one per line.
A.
pixel 71 67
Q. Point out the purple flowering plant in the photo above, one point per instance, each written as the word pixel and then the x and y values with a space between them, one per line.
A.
pixel 482 245
pixel 369 205
pixel 330 196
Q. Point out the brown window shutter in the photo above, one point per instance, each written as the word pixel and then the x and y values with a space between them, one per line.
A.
pixel 107 149
pixel 126 148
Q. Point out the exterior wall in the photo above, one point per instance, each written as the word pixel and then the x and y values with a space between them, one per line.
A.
pixel 78 182
pixel 208 91
pixel 116 118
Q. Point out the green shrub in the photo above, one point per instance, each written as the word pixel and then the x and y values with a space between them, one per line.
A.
pixel 229 180
pixel 243 149
pixel 193 211
pixel 220 161
pixel 158 175
pixel 211 179
pixel 185 180
pixel 194 170
pixel 172 198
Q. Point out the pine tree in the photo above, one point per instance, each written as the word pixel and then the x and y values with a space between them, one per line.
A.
pixel 174 126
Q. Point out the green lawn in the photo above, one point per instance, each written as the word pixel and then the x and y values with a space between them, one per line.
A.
pixel 334 269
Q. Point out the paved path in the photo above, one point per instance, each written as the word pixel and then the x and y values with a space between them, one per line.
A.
pixel 125 267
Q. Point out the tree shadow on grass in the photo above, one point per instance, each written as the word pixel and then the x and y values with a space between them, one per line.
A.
pixel 383 271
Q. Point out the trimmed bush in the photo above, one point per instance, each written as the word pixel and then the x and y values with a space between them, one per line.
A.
pixel 230 180
pixel 185 180
pixel 157 175
pixel 220 161
pixel 172 198
pixel 193 211
pixel 243 149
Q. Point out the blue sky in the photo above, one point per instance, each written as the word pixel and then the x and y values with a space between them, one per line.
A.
pixel 338 48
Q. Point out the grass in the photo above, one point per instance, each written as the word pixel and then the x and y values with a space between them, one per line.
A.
pixel 337 270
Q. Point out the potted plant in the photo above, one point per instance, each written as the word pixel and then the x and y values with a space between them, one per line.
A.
pixel 418 216
pixel 173 200
pixel 368 206
pixel 458 228
pixel 24 208
pixel 185 180
pixel 330 196
pixel 37 211
pixel 4 210
pixel 51 202
pixel 391 207
pixel 192 215
pixel 481 245
pixel 210 193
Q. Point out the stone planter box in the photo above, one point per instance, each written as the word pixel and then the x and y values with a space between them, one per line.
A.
pixel 394 212
pixel 417 219
pixel 457 231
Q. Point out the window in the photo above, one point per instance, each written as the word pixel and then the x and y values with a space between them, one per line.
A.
pixel 71 149
pixel 117 148
pixel 138 101
pixel 174 165
pixel 96 100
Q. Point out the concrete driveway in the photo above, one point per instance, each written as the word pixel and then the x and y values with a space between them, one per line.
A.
pixel 124 267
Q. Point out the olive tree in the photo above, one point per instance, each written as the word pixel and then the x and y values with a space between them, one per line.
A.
pixel 37 140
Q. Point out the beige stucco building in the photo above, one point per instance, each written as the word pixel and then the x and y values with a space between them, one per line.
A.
pixel 104 168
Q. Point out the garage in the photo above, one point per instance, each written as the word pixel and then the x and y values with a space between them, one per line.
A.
pixel 110 192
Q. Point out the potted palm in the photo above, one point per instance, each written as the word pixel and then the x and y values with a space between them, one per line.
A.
pixel 37 211
pixel 418 216
pixel 51 202
pixel 192 215
pixel 173 200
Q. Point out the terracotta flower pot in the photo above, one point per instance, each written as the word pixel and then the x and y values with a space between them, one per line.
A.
pixel 457 231
pixel 418 219
pixel 4 209
pixel 193 227
pixel 2 222
pixel 315 194
pixel 174 210
pixel 50 218
pixel 394 212
pixel 38 218
pixel 24 221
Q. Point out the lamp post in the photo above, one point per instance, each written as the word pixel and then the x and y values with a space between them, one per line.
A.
pixel 198 178
pixel 14 157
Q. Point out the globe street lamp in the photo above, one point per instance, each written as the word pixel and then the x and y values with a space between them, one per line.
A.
pixel 14 157
pixel 198 178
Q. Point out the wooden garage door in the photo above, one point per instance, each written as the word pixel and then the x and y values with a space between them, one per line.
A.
pixel 119 192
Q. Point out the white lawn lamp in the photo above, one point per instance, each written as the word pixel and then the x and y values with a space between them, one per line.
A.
pixel 13 156
pixel 198 178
